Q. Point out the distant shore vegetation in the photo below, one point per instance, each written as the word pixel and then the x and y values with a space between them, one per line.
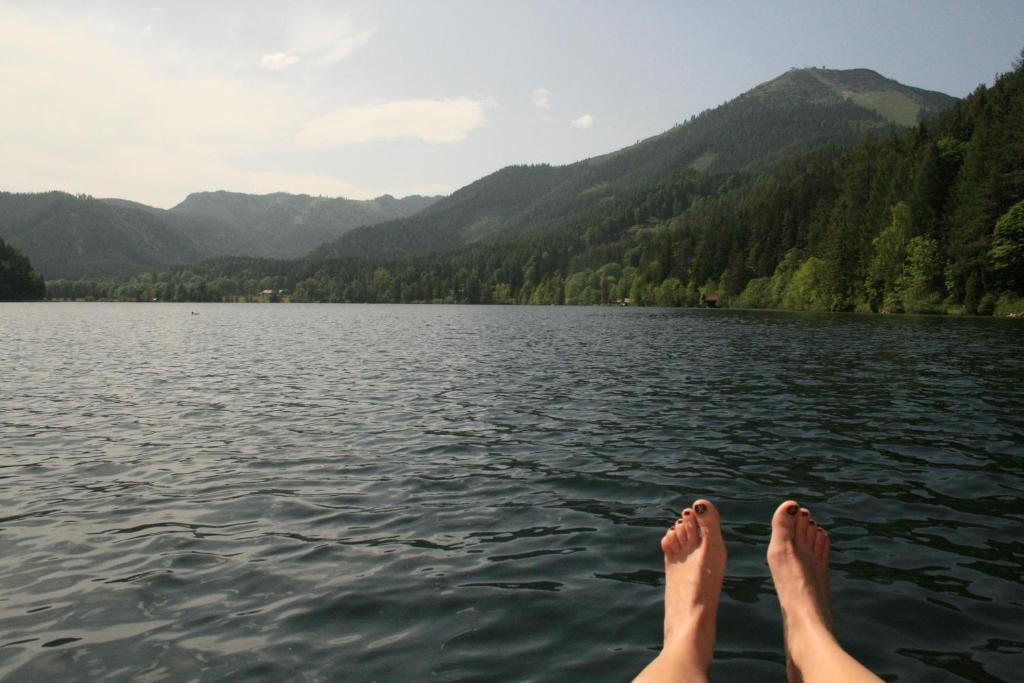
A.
pixel 18 282
pixel 930 220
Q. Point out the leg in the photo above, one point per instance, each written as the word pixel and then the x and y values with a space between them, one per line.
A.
pixel 694 569
pixel 798 558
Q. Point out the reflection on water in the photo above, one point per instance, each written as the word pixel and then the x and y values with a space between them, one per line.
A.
pixel 384 493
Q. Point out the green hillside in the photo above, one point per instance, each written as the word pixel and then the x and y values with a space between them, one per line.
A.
pixel 801 110
pixel 929 219
pixel 80 237
pixel 288 225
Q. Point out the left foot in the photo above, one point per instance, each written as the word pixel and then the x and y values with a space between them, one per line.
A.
pixel 694 568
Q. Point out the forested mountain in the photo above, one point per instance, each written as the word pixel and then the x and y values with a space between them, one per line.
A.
pixel 929 219
pixel 802 109
pixel 212 237
pixel 80 237
pixel 18 282
pixel 285 225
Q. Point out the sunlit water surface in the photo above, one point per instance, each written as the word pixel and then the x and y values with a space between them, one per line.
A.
pixel 390 493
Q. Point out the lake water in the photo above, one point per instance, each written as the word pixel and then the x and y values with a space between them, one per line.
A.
pixel 258 492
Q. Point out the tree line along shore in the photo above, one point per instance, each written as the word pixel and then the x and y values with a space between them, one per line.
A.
pixel 925 220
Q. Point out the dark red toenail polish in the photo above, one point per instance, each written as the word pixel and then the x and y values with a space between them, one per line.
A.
pixel 686 512
pixel 812 523
pixel 701 508
pixel 791 510
pixel 806 513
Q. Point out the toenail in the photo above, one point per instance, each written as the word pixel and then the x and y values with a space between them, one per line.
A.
pixel 806 513
pixel 686 512
pixel 791 510
pixel 701 508
pixel 812 523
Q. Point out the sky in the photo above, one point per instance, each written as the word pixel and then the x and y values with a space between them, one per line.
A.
pixel 151 101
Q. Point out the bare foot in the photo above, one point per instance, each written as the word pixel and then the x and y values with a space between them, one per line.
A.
pixel 694 568
pixel 798 558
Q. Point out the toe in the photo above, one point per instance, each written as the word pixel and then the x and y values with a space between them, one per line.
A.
pixel 803 525
pixel 682 533
pixel 784 521
pixel 708 520
pixel 826 545
pixel 675 545
pixel 817 540
pixel 689 525
pixel 666 544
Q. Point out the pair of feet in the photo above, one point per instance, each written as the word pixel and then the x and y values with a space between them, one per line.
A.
pixel 694 569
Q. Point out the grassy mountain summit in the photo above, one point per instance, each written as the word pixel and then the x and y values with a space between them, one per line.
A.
pixel 900 104
pixel 800 110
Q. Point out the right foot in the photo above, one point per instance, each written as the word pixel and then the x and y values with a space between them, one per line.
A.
pixel 798 558
pixel 694 568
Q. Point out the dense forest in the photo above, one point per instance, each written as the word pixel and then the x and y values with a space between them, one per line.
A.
pixel 929 219
pixel 18 282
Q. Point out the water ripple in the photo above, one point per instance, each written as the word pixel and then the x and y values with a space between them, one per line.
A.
pixel 456 493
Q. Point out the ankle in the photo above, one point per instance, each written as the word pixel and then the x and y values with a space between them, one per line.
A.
pixel 696 626
pixel 687 661
pixel 691 649
pixel 807 634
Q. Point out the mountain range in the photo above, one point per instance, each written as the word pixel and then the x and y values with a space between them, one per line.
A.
pixel 69 236
pixel 77 236
pixel 800 110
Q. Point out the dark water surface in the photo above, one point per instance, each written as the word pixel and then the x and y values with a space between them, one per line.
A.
pixel 468 493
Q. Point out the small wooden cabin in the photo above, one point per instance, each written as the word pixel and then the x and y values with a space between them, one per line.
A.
pixel 711 300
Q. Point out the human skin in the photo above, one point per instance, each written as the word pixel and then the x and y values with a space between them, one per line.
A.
pixel 695 558
pixel 798 559
pixel 798 553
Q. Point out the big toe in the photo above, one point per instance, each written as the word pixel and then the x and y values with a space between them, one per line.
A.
pixel 708 520
pixel 784 522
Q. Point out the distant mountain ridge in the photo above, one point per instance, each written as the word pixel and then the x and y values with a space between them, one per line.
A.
pixel 800 110
pixel 78 236
pixel 282 225
pixel 68 236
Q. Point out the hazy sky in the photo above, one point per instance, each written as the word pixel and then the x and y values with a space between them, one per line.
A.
pixel 151 101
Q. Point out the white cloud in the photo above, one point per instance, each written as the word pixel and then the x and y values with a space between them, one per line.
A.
pixel 318 41
pixel 98 117
pixel 433 121
pixel 541 97
pixel 325 42
pixel 145 118
pixel 278 60
pixel 585 121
